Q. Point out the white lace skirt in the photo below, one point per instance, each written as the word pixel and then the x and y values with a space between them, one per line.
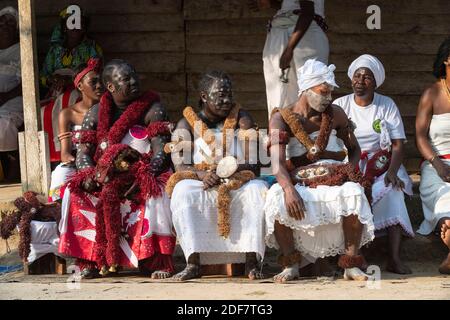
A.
pixel 194 215
pixel 320 234
pixel 388 204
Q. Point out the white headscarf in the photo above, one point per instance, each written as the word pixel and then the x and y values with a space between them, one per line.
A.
pixel 313 73
pixel 11 11
pixel 370 62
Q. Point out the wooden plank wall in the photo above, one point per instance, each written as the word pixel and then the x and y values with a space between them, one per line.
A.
pixel 171 42
pixel 226 35
pixel 148 33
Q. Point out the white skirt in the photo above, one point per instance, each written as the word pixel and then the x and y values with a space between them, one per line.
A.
pixel 11 118
pixel 320 233
pixel 44 239
pixel 314 44
pixel 388 204
pixel 59 178
pixel 194 215
pixel 435 196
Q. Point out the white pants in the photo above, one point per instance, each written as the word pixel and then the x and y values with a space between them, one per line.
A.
pixel 314 44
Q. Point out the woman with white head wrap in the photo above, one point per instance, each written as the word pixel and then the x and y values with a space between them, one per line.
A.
pixel 11 109
pixel 304 222
pixel 379 126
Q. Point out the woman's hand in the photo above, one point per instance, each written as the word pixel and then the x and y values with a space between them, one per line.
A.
pixel 210 180
pixel 294 203
pixel 392 177
pixel 442 169
pixel 67 158
pixel 286 58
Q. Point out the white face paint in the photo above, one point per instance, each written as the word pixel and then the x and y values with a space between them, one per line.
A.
pixel 317 101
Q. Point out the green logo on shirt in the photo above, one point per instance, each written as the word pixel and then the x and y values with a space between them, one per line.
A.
pixel 376 125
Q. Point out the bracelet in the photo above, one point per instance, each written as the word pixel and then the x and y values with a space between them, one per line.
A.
pixel 432 158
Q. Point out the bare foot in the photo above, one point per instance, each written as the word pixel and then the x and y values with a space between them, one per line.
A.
pixel 255 274
pixel 161 275
pixel 444 268
pixel 445 233
pixel 288 274
pixel 355 274
pixel 190 272
pixel 397 266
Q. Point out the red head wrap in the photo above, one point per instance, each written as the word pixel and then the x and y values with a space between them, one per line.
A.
pixel 92 65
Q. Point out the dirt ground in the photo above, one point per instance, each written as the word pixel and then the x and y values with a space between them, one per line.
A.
pixel 424 283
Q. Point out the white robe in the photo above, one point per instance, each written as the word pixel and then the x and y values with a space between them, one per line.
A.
pixel 11 112
pixel 434 192
pixel 194 216
pixel 314 44
pixel 388 204
pixel 320 234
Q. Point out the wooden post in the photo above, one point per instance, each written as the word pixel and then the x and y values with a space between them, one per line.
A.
pixel 35 168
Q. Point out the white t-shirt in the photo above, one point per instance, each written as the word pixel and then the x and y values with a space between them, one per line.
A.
pixel 290 5
pixel 367 120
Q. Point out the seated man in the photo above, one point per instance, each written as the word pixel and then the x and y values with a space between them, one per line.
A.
pixel 114 211
pixel 379 130
pixel 317 209
pixel 89 83
pixel 432 138
pixel 217 206
pixel 11 108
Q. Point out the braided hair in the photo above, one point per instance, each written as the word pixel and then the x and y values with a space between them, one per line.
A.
pixel 207 81
pixel 441 57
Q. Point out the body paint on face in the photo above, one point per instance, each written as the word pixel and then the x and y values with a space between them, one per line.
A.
pixel 219 97
pixel 317 101
pixel 126 82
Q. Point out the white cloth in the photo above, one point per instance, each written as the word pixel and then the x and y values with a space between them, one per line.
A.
pixel 388 205
pixel 44 239
pixel 383 110
pixel 11 112
pixel 439 133
pixel 291 5
pixel 314 44
pixel 61 174
pixel 434 192
pixel 295 149
pixel 320 234
pixel 370 62
pixel 313 73
pixel 194 215
pixel 11 11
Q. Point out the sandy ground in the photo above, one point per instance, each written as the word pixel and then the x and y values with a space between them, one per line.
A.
pixel 418 287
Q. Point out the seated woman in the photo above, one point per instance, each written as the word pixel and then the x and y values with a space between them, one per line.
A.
pixel 11 108
pixel 114 211
pixel 379 127
pixel 68 49
pixel 216 203
pixel 432 138
pixel 318 207
pixel 89 83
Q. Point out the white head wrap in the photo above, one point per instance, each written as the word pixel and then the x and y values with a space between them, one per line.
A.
pixel 11 11
pixel 370 62
pixel 314 73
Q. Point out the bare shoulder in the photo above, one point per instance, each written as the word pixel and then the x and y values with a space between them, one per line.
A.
pixel 157 112
pixel 183 124
pixel 339 116
pixel 245 120
pixel 277 122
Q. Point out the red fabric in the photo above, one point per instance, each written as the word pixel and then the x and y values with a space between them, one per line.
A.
pixel 93 64
pixel 114 133
pixel 48 127
pixel 159 128
pixel 158 248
